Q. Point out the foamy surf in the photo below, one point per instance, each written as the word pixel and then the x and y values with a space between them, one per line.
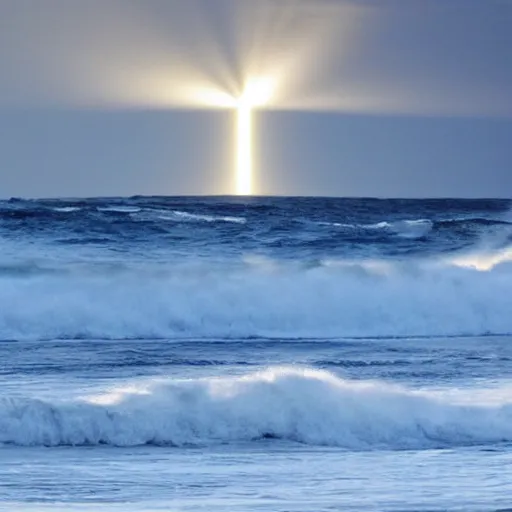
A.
pixel 118 209
pixel 195 217
pixel 151 214
pixel 269 299
pixel 67 209
pixel 301 405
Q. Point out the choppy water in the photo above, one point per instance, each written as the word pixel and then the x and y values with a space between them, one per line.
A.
pixel 255 354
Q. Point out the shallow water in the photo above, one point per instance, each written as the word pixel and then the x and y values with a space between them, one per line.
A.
pixel 263 477
pixel 370 467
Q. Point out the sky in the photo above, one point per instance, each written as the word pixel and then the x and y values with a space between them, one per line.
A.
pixel 382 98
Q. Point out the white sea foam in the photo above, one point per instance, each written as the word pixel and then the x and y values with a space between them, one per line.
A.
pixel 195 217
pixel 338 225
pixel 484 259
pixel 153 214
pixel 412 228
pixel 302 405
pixel 119 209
pixel 491 250
pixel 67 209
pixel 404 228
pixel 359 299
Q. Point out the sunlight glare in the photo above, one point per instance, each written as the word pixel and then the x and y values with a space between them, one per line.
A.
pixel 256 93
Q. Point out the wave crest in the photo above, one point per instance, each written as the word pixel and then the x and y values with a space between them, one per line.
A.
pixel 337 299
pixel 301 405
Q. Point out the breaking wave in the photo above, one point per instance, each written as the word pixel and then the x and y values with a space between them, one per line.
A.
pixel 335 299
pixel 419 228
pixel 118 209
pixel 181 216
pixel 194 217
pixel 300 405
pixel 67 209
pixel 405 228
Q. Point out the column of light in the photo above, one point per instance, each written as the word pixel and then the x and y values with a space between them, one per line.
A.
pixel 257 92
pixel 244 155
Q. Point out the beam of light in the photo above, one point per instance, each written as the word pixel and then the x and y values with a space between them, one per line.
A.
pixel 257 93
pixel 244 163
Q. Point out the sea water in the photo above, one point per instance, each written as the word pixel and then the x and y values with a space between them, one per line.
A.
pixel 270 354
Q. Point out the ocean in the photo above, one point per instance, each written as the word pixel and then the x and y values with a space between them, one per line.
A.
pixel 256 354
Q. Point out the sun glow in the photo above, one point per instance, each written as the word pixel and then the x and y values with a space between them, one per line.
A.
pixel 205 58
pixel 257 93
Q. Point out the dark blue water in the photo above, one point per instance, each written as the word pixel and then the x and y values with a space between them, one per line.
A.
pixel 295 228
pixel 156 267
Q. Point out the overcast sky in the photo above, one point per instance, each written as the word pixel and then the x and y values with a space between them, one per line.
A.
pixel 372 98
